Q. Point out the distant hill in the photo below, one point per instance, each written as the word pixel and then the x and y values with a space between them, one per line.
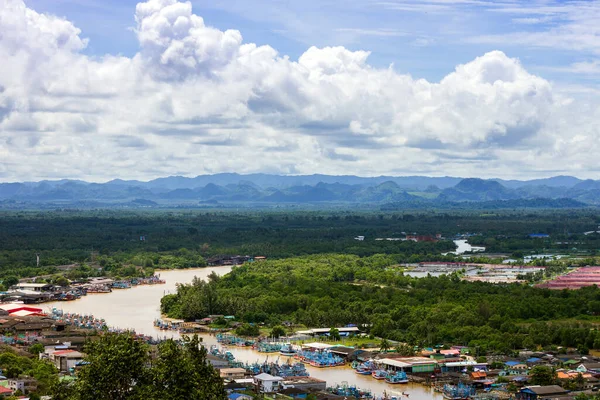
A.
pixel 473 189
pixel 235 190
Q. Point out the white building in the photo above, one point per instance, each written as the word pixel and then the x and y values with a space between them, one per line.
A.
pixel 266 383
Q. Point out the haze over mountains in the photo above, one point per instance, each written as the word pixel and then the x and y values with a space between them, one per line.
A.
pixel 264 189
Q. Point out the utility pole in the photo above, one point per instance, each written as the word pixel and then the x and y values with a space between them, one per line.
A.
pixel 37 260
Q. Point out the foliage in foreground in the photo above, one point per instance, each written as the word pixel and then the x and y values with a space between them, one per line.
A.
pixel 123 368
pixel 14 365
pixel 335 290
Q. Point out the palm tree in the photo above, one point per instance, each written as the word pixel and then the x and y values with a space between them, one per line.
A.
pixel 384 345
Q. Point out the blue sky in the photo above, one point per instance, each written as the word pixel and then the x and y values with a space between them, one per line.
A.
pixel 103 89
pixel 423 38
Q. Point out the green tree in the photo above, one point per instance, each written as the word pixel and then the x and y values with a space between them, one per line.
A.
pixel 248 330
pixel 62 281
pixel 10 281
pixel 277 331
pixel 405 350
pixel 116 370
pixel 36 348
pixel 206 378
pixel 171 374
pixel 334 334
pixel 542 375
pixel 384 345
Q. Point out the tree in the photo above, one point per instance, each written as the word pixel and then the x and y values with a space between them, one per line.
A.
pixel 405 350
pixel 171 374
pixel 248 330
pixel 62 281
pixel 542 375
pixel 334 334
pixel 116 370
pixel 206 378
pixel 278 331
pixel 36 348
pixel 384 345
pixel 10 281
pixel 120 367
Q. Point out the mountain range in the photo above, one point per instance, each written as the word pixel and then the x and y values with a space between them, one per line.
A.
pixel 265 189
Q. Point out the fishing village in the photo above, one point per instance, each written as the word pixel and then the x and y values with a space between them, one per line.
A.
pixel 302 363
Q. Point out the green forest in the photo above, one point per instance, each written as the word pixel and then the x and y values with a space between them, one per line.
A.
pixel 371 292
pixel 118 241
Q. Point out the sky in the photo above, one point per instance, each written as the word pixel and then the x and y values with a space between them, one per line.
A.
pixel 103 89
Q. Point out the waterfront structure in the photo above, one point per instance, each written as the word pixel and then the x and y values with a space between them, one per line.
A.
pixel 34 287
pixel 344 331
pixel 541 392
pixel 232 373
pixel 20 310
pixel 265 383
pixel 410 364
pixel 63 360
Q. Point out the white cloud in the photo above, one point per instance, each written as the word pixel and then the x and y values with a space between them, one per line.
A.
pixel 197 100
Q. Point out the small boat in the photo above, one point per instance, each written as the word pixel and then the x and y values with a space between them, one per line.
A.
pixel 287 350
pixel 379 374
pixel 365 368
pixel 398 377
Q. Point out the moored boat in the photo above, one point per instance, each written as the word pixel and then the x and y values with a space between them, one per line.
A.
pixel 365 368
pixel 287 350
pixel 379 374
pixel 396 378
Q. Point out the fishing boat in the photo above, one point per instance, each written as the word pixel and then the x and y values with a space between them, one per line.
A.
pixel 379 374
pixel 458 392
pixel 287 350
pixel 396 378
pixel 319 359
pixel 350 391
pixel 365 368
pixel 267 347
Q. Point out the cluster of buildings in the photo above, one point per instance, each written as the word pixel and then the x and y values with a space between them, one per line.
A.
pixel 33 293
pixel 576 279
pixel 218 261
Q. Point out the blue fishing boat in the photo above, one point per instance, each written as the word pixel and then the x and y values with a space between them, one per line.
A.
pixel 398 377
pixel 365 368
pixel 458 392
pixel 287 350
pixel 379 374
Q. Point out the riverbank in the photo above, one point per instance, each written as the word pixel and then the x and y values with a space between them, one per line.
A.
pixel 138 308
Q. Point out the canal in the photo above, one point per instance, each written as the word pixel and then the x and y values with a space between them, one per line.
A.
pixel 138 307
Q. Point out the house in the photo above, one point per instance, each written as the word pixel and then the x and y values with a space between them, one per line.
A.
pixel 232 373
pixel 25 385
pixel 593 368
pixel 478 375
pixel 34 287
pixel 5 392
pixel 237 386
pixel 516 369
pixel 64 360
pixel 294 393
pixel 541 392
pixel 265 383
pixel 217 362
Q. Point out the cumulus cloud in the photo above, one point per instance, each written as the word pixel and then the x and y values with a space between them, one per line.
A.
pixel 200 100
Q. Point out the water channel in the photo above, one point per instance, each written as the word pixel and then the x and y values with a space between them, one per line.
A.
pixel 138 307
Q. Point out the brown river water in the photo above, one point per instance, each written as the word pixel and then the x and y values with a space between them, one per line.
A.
pixel 138 307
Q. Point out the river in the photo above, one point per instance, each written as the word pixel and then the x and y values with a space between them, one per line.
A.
pixel 138 307
pixel 462 246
